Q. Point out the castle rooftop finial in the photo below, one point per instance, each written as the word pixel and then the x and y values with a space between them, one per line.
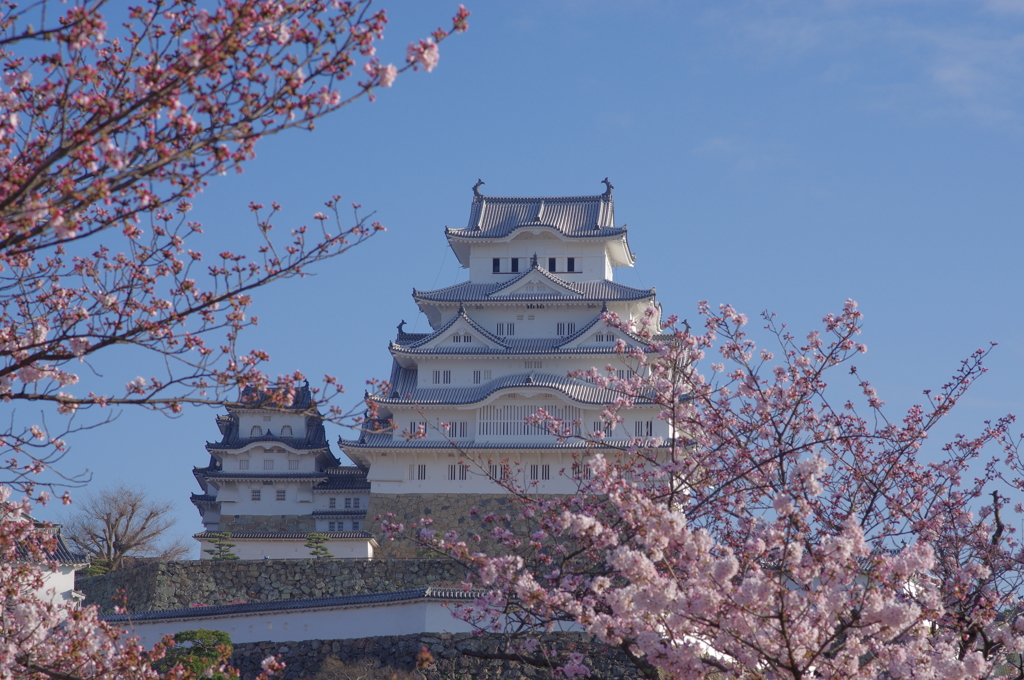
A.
pixel 609 187
pixel 476 187
pixel 533 261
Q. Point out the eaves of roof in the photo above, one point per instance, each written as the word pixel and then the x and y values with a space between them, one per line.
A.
pixel 222 474
pixel 286 535
pixel 430 594
pixel 575 390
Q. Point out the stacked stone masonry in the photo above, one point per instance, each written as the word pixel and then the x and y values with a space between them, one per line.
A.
pixel 449 511
pixel 399 653
pixel 175 585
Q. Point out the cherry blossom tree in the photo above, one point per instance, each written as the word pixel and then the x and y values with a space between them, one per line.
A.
pixel 785 530
pixel 41 639
pixel 106 132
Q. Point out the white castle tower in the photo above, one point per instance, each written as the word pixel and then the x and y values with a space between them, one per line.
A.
pixel 503 345
pixel 272 480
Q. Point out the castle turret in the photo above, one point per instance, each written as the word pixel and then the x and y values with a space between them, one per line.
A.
pixel 272 479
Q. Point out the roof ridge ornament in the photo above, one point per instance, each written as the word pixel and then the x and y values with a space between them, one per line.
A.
pixel 609 187
pixel 476 187
pixel 401 328
pixel 533 262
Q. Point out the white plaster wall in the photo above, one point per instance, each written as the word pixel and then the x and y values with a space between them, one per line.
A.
pixel 313 624
pixel 322 500
pixel 285 550
pixel 272 422
pixel 295 503
pixel 58 585
pixel 256 455
pixel 559 365
pixel 590 256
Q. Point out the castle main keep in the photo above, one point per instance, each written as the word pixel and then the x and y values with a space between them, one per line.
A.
pixel 512 339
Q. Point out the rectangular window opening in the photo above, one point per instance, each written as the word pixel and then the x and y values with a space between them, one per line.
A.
pixel 293 465
pixel 515 265
pixel 243 465
pixel 551 264
pixel 570 264
pixel 496 265
pixel 254 494
pixel 281 494
pixel 332 503
pixel 268 464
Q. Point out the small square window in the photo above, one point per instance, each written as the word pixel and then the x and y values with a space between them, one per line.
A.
pixel 332 503
pixel 268 464
pixel 348 503
pixel 243 465
pixel 293 465
pixel 355 502
pixel 254 494
pixel 355 526
pixel 281 494
pixel 332 526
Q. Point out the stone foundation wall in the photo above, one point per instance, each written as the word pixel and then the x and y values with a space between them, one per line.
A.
pixel 449 512
pixel 267 523
pixel 399 652
pixel 174 585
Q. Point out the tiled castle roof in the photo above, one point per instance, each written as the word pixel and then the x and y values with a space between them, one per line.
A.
pixel 408 343
pixel 284 535
pixel 577 390
pixel 313 439
pixel 427 593
pixel 584 291
pixel 346 478
pixel 574 216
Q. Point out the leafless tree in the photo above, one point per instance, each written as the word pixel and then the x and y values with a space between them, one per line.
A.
pixel 121 521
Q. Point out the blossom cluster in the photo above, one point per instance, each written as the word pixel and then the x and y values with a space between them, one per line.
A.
pixel 777 533
pixel 105 137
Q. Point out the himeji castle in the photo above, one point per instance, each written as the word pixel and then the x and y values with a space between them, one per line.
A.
pixel 502 345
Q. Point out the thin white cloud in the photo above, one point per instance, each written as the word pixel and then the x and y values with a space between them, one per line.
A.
pixel 966 59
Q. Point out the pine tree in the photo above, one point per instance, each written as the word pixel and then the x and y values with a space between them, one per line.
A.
pixel 315 543
pixel 221 549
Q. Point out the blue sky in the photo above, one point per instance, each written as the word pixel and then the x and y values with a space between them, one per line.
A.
pixel 773 155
